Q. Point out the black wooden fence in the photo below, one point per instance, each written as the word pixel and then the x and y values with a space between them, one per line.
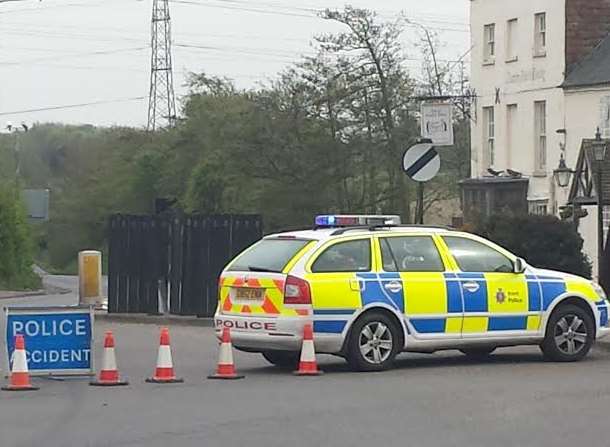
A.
pixel 180 255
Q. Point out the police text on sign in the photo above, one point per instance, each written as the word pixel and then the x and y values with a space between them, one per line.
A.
pixel 56 340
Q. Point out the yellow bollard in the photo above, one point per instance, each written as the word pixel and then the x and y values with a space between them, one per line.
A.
pixel 90 278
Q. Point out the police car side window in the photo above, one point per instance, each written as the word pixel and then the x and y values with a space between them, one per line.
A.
pixel 350 256
pixel 473 256
pixel 410 254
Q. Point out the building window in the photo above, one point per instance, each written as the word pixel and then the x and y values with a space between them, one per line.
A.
pixel 489 51
pixel 539 207
pixel 489 136
pixel 511 132
pixel 511 40
pixel 540 132
pixel 540 34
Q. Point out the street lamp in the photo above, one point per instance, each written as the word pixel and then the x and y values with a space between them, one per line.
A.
pixel 599 147
pixel 562 174
pixel 599 154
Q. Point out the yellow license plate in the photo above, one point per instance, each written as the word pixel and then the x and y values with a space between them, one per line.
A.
pixel 249 295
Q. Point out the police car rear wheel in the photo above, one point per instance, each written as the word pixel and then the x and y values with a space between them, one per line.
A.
pixel 282 359
pixel 569 334
pixel 374 343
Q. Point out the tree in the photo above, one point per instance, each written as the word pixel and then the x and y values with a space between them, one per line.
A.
pixel 15 244
pixel 544 241
pixel 369 56
pixel 205 190
pixel 326 136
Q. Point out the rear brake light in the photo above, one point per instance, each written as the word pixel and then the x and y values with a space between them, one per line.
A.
pixel 296 291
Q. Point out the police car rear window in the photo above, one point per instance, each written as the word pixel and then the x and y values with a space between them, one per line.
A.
pixel 270 255
pixel 350 256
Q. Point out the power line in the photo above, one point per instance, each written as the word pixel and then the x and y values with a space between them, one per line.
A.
pixel 73 106
pixel 70 36
pixel 287 56
pixel 312 15
pixel 53 6
pixel 83 54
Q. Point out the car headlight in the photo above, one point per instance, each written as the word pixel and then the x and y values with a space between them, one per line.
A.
pixel 599 290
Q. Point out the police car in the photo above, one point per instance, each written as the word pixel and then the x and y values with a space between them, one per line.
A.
pixel 373 288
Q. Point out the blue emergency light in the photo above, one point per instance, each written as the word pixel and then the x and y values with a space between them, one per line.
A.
pixel 342 220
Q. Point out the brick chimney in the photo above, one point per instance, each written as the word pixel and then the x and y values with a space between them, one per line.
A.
pixel 587 23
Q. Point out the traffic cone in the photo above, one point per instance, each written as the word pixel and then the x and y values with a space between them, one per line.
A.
pixel 109 375
pixel 226 367
pixel 164 372
pixel 308 365
pixel 20 377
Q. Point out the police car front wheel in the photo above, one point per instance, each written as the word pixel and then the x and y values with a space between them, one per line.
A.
pixel 569 334
pixel 374 342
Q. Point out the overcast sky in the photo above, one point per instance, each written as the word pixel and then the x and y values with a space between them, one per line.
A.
pixel 66 52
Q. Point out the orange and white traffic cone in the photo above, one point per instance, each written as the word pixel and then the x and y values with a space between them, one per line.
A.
pixel 164 372
pixel 109 375
pixel 226 367
pixel 20 377
pixel 308 365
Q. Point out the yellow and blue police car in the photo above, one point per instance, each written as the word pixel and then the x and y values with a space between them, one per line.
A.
pixel 373 288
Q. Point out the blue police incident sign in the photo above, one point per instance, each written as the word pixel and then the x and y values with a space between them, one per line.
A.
pixel 56 339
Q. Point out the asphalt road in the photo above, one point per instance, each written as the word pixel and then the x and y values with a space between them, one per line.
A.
pixel 514 399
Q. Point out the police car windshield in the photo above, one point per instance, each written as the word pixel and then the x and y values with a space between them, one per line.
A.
pixel 268 255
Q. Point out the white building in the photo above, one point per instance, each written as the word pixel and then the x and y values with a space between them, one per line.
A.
pixel 526 118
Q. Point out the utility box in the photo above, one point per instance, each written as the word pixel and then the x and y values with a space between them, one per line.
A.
pixel 90 278
pixel 37 204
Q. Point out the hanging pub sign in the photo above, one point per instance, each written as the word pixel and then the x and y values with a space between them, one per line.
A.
pixel 437 123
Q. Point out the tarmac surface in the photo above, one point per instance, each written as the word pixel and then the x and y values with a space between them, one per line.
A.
pixel 512 399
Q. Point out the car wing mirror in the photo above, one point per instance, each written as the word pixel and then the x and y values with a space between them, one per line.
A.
pixel 519 266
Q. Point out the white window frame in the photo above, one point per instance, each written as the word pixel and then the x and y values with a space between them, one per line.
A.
pixel 540 35
pixel 512 111
pixel 540 133
pixel 539 207
pixel 489 43
pixel 511 36
pixel 489 136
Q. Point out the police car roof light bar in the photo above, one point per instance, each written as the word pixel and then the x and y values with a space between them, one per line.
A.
pixel 354 220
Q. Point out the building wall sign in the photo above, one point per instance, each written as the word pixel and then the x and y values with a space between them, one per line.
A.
pixel 526 76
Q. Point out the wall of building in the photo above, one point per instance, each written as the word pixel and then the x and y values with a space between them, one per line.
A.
pixel 522 82
pixel 585 110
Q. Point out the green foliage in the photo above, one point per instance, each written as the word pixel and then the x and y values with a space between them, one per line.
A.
pixel 15 244
pixel 544 241
pixel 327 136
pixel 205 190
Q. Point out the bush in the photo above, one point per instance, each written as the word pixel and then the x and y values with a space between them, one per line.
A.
pixel 544 241
pixel 15 244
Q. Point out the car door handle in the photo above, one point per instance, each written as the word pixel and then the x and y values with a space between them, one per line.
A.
pixel 471 287
pixel 393 286
pixel 354 285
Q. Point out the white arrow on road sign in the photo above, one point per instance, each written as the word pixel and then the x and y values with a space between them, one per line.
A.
pixel 421 162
